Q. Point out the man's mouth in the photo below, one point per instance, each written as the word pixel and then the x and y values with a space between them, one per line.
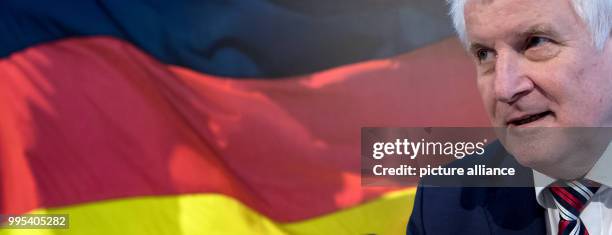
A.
pixel 529 118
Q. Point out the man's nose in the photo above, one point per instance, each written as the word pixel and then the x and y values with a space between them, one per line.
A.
pixel 511 81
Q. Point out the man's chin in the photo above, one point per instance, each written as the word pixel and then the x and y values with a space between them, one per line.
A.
pixel 535 153
pixel 534 161
pixel 536 146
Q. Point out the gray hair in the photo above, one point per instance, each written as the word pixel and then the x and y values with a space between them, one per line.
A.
pixel 597 14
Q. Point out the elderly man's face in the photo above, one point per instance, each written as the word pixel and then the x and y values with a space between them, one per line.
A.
pixel 538 67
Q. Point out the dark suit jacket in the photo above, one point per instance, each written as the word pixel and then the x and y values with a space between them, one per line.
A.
pixel 480 210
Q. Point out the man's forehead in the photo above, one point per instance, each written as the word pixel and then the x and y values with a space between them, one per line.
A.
pixel 510 5
pixel 494 19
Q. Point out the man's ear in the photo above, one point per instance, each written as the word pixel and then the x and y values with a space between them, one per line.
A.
pixel 607 47
pixel 607 50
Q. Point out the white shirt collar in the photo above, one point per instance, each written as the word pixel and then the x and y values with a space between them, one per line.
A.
pixel 600 173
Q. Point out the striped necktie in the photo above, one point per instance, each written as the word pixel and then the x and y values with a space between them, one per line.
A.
pixel 571 197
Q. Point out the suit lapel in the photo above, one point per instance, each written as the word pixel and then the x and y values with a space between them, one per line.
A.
pixel 514 211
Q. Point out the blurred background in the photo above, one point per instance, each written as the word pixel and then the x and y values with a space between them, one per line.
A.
pixel 218 117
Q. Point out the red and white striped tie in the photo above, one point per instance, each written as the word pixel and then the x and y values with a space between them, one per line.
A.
pixel 571 197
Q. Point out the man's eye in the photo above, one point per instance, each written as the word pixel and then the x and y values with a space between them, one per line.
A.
pixel 535 41
pixel 484 55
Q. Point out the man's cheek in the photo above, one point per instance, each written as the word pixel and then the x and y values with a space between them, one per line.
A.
pixel 488 99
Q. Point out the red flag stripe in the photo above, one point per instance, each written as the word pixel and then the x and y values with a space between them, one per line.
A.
pixel 90 119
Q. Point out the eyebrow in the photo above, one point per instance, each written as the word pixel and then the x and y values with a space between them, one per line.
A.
pixel 474 47
pixel 538 29
pixel 542 29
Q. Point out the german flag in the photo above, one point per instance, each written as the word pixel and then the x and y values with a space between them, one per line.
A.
pixel 218 117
